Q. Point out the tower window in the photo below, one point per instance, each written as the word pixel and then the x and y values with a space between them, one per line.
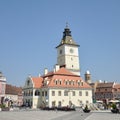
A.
pixel 60 51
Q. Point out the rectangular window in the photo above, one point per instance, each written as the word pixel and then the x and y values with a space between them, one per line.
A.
pixel 45 93
pixel 105 89
pixel 53 103
pixel 86 93
pixel 53 93
pixel 80 93
pixel 65 93
pixel 42 93
pixel 59 93
pixel 73 93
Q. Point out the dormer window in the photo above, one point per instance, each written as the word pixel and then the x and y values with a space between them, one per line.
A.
pixel 81 83
pixel 60 82
pixel 69 82
pixel 56 82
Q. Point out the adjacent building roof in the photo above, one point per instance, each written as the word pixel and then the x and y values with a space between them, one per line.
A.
pixel 13 90
pixel 104 85
pixel 117 86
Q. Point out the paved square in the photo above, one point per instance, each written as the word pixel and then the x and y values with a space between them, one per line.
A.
pixel 57 115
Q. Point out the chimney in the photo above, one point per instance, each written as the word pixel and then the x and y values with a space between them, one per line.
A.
pixel 39 75
pixel 45 71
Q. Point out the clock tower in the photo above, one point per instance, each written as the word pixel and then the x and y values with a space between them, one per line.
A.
pixel 67 52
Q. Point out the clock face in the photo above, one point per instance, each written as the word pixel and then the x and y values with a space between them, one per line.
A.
pixel 71 50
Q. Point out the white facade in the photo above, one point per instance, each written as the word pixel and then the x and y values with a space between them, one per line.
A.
pixel 32 95
pixel 76 97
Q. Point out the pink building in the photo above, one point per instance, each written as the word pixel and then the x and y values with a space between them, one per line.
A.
pixel 2 87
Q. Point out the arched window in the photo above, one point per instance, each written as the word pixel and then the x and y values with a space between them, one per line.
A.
pixel 37 93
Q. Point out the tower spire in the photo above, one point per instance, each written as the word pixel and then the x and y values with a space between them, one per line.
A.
pixel 67 37
pixel 67 31
pixel 66 24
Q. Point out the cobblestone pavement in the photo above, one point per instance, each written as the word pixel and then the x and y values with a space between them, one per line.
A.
pixel 57 115
pixel 76 115
pixel 103 116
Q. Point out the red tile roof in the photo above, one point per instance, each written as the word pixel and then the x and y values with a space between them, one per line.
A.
pixel 37 82
pixel 68 82
pixel 104 85
pixel 64 75
pixel 13 90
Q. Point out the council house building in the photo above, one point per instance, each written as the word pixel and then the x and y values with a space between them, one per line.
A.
pixel 63 86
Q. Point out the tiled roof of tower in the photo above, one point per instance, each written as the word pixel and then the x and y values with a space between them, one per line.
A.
pixel 37 82
pixel 64 71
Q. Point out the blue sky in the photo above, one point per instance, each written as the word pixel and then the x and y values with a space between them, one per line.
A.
pixel 31 29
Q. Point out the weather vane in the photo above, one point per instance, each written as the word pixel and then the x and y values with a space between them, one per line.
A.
pixel 66 24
